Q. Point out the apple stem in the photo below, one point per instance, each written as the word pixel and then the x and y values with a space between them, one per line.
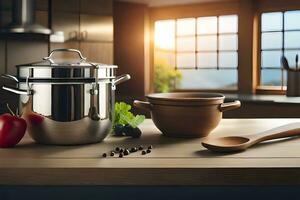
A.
pixel 11 112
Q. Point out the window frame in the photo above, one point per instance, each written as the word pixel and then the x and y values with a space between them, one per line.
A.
pixel 218 51
pixel 265 7
pixel 249 37
pixel 191 11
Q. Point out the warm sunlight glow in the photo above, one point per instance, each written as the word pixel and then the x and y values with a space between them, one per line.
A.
pixel 165 34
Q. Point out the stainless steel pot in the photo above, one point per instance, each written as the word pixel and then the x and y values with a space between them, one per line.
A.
pixel 66 103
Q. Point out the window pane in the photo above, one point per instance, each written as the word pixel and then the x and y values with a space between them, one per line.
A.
pixel 228 59
pixel 165 34
pixel 186 44
pixel 271 58
pixel 272 77
pixel 207 60
pixel 228 24
pixel 271 21
pixel 185 60
pixel 291 20
pixel 292 39
pixel 291 57
pixel 206 25
pixel 186 26
pixel 228 42
pixel 271 40
pixel 207 43
pixel 208 79
pixel 164 58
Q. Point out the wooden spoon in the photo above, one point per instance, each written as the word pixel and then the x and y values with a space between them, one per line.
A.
pixel 240 143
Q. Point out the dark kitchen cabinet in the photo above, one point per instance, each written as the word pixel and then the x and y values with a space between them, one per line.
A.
pixel 5 12
pixel 21 52
pixel 2 57
pixel 87 26
pixel 96 7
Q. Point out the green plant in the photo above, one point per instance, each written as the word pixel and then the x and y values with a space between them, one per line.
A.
pixel 165 77
pixel 123 116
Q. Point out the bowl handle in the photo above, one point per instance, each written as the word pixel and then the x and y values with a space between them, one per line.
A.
pixel 230 105
pixel 142 104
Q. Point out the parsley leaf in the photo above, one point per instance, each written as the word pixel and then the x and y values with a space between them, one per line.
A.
pixel 123 115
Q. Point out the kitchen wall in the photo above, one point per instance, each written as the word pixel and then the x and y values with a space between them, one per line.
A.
pixel 86 25
pixel 105 31
pixel 131 48
pixel 17 49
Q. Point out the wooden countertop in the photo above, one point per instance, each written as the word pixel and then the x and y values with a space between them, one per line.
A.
pixel 172 161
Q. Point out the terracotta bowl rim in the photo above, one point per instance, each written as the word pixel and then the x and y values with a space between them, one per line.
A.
pixel 207 96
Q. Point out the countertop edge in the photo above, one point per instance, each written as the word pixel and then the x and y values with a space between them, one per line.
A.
pixel 150 177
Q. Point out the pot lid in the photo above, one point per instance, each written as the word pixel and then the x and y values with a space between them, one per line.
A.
pixel 81 63
pixel 50 71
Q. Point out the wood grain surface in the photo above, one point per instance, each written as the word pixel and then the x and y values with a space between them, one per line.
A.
pixel 173 161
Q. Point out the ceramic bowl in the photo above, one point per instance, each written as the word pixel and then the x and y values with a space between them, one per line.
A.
pixel 186 114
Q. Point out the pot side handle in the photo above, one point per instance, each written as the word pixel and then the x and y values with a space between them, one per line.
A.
pixel 230 105
pixel 17 91
pixel 121 79
pixel 142 105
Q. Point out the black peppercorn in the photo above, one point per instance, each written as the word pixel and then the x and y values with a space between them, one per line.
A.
pixel 112 153
pixel 141 147
pixel 150 147
pixel 121 150
pixel 126 152
pixel 104 155
pixel 133 149
pixel 148 151
pixel 117 149
pixel 121 155
pixel 144 152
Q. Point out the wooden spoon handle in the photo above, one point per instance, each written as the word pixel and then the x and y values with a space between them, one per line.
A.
pixel 287 130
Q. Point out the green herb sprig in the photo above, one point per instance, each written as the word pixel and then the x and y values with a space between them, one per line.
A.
pixel 124 116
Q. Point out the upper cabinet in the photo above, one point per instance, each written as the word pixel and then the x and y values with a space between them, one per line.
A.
pixel 87 25
pixel 5 12
pixel 96 28
pixel 96 7
pixel 65 19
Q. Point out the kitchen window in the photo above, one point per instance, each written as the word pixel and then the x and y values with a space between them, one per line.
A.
pixel 280 35
pixel 204 50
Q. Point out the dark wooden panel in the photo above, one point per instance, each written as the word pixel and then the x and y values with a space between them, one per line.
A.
pixel 98 52
pixel 129 46
pixel 65 6
pixel 2 57
pixel 21 52
pixel 42 18
pixel 5 97
pixel 96 28
pixel 5 12
pixel 96 7
pixel 42 5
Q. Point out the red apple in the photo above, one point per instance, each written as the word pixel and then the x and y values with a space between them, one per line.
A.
pixel 12 130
